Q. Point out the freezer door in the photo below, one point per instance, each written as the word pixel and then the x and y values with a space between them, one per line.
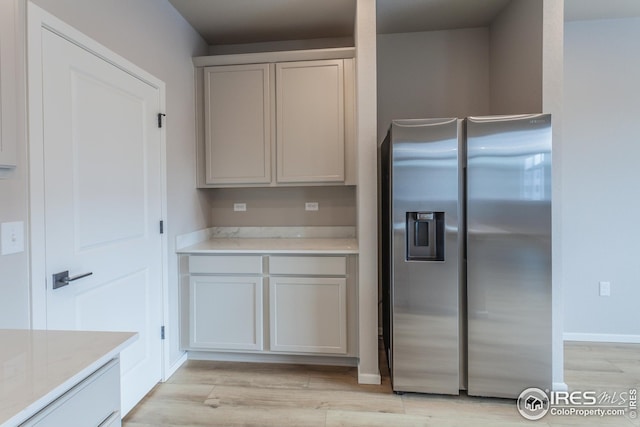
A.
pixel 424 255
pixel 508 254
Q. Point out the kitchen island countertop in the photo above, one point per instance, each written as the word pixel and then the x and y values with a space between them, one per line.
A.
pixel 37 366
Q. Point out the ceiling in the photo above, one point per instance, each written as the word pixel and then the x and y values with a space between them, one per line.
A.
pixel 222 22
pixel 407 16
pixel 253 21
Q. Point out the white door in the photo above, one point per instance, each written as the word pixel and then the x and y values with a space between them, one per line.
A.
pixel 103 195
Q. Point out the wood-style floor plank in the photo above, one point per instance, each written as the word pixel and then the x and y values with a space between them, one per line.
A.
pixel 204 393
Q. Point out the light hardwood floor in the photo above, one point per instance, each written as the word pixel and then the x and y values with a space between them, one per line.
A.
pixel 248 394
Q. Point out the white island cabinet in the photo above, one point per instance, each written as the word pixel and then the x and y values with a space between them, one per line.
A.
pixel 61 378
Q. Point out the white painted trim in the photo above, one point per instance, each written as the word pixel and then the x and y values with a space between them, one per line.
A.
pixel 615 338
pixel 267 57
pixel 176 365
pixel 560 387
pixel 37 20
pixel 366 195
pixel 368 378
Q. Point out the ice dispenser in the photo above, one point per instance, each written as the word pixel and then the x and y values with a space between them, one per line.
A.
pixel 425 236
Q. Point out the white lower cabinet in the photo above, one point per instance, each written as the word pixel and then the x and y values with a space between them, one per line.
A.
pixel 93 402
pixel 226 312
pixel 308 315
pixel 278 304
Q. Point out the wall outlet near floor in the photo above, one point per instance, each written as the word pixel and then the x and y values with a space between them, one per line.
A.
pixel 239 207
pixel 605 289
pixel 311 206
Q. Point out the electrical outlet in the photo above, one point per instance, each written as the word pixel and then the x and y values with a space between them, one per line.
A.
pixel 12 235
pixel 605 289
pixel 239 207
pixel 311 206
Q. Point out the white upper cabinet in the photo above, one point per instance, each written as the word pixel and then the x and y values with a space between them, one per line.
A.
pixel 276 124
pixel 310 121
pixel 238 124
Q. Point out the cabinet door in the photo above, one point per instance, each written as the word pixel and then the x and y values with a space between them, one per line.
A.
pixel 226 312
pixel 310 121
pixel 238 124
pixel 308 315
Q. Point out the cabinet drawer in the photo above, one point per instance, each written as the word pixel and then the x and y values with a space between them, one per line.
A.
pixel 212 264
pixel 94 401
pixel 311 265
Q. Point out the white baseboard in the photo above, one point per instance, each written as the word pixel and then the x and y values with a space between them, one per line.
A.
pixel 173 368
pixel 616 338
pixel 560 387
pixel 368 378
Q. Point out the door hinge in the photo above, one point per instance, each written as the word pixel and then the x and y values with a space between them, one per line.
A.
pixel 161 332
pixel 161 227
pixel 160 116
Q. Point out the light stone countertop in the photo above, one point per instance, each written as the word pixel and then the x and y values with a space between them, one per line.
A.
pixel 37 367
pixel 269 240
pixel 273 246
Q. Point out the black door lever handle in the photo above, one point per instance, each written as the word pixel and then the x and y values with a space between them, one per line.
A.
pixel 62 279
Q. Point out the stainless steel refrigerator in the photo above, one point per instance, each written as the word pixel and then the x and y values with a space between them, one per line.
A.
pixel 466 254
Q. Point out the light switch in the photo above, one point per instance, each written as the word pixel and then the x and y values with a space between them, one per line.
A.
pixel 12 237
pixel 605 289
pixel 239 207
pixel 311 206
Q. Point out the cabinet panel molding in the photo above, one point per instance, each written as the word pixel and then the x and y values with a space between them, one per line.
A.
pixel 310 121
pixel 226 312
pixel 308 315
pixel 237 108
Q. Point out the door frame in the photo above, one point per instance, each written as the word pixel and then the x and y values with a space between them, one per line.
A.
pixel 37 21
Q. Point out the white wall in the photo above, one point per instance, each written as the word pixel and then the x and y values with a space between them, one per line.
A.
pixel 601 152
pixel 432 74
pixel 14 276
pixel 516 58
pixel 152 35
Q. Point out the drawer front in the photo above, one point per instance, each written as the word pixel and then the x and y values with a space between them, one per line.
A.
pixel 216 264
pixel 311 265
pixel 94 401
